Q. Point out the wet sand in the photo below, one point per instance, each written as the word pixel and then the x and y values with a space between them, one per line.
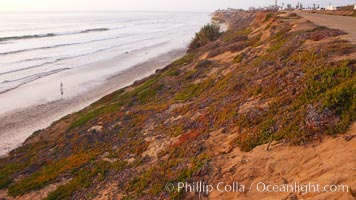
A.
pixel 17 125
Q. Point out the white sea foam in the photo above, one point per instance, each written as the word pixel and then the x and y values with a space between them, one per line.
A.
pixel 39 51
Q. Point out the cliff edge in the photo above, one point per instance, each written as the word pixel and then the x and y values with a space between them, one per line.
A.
pixel 269 100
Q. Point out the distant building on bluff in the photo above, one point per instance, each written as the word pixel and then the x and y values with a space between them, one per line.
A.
pixel 330 7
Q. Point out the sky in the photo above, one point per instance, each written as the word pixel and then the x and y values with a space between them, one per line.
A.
pixel 155 5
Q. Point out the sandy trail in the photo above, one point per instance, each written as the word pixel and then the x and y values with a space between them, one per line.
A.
pixel 344 23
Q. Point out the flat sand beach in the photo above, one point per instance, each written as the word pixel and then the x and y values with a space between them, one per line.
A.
pixel 16 125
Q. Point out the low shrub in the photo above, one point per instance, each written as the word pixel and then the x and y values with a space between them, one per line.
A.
pixel 207 34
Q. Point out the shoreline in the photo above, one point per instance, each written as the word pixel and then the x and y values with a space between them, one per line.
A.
pixel 248 108
pixel 17 125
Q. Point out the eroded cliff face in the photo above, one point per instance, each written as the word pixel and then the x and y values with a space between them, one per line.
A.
pixel 234 20
pixel 253 105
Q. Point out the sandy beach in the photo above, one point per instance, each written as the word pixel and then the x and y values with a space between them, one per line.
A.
pixel 54 64
pixel 17 125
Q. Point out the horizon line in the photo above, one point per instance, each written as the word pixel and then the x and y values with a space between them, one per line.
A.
pixel 104 10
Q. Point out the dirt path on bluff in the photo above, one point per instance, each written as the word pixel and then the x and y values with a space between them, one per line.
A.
pixel 344 23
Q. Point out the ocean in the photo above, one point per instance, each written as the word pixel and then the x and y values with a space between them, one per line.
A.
pixel 53 64
pixel 38 45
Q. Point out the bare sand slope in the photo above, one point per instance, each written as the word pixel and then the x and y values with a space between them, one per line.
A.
pixel 344 23
pixel 331 162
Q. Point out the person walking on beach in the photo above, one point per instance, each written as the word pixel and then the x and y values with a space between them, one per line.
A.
pixel 61 89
